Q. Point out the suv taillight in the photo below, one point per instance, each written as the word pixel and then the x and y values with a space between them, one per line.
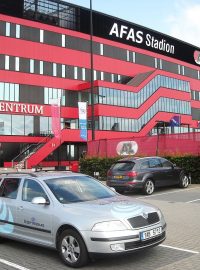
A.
pixel 109 173
pixel 131 174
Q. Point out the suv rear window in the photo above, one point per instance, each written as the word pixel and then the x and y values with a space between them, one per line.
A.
pixel 123 166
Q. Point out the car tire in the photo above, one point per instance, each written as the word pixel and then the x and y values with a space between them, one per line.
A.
pixel 149 187
pixel 72 249
pixel 2 240
pixel 120 191
pixel 184 181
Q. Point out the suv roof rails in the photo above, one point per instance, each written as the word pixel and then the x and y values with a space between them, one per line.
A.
pixel 28 173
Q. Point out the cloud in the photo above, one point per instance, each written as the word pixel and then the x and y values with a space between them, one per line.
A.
pixel 184 21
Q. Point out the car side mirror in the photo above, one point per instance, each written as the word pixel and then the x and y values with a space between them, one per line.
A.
pixel 40 200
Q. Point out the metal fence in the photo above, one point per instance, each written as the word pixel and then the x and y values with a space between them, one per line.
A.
pixel 161 145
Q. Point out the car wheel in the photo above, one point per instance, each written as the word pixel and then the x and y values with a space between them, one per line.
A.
pixel 184 181
pixel 120 191
pixel 72 249
pixel 2 240
pixel 148 187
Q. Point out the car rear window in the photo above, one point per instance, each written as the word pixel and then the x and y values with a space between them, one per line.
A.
pixel 123 166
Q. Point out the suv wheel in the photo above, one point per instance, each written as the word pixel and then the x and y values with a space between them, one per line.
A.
pixel 184 181
pixel 72 249
pixel 148 187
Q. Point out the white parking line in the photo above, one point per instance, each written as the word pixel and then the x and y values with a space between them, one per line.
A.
pixel 164 193
pixel 193 201
pixel 16 266
pixel 181 249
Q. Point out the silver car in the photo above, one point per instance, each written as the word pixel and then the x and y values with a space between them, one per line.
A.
pixel 75 214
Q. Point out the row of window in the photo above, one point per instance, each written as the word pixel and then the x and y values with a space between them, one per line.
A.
pixel 54 69
pixel 135 125
pixel 134 100
pixel 195 95
pixel 56 39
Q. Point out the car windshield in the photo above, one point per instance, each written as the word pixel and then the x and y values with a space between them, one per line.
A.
pixel 78 189
pixel 123 166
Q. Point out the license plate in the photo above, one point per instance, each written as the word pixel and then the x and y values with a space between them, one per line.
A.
pixel 118 177
pixel 151 233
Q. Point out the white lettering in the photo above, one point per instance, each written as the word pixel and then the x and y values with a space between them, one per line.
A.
pixel 30 109
pixel 2 107
pixel 23 108
pixel 123 30
pixel 131 35
pixel 114 30
pixel 139 36
pixel 39 110
pixel 9 107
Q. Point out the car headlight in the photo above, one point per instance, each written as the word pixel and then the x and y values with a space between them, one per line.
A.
pixel 160 214
pixel 109 226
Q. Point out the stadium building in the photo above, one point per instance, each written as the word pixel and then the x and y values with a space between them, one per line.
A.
pixel 139 79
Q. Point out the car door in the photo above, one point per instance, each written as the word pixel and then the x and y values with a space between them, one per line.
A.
pixel 35 220
pixel 171 176
pixel 157 171
pixel 9 189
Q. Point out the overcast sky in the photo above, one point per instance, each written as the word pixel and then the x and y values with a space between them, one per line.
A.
pixel 177 18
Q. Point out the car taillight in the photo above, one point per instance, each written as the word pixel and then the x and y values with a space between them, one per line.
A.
pixel 131 174
pixel 109 173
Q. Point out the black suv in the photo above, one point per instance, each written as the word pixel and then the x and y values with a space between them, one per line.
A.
pixel 145 174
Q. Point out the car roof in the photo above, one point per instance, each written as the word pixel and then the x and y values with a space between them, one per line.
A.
pixel 133 159
pixel 41 175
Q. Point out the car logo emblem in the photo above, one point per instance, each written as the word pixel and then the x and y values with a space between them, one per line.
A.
pixel 145 215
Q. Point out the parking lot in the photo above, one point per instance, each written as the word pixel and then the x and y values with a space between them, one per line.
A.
pixel 181 249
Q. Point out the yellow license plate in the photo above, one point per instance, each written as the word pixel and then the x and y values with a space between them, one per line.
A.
pixel 118 177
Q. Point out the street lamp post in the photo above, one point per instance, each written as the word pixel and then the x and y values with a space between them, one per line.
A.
pixel 92 73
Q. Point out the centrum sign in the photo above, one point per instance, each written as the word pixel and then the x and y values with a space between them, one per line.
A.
pixel 9 107
pixel 138 36
pixel 126 148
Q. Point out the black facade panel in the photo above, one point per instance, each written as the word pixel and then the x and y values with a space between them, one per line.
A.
pixel 36 66
pixel 144 60
pixel 114 52
pixel 12 63
pixel 171 67
pixel 80 74
pixel 13 30
pixel 59 70
pixel 195 114
pixel 29 33
pixel 2 28
pixel 191 73
pixel 87 74
pixel 96 47
pixel 52 38
pixel 36 125
pixel 31 94
pixel 79 44
pixel 24 65
pixel 71 98
pixel 2 61
pixel 70 72
pixel 48 68
pixel 107 77
pixel 12 7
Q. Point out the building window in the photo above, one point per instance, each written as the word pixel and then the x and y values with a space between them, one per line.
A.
pixel 161 66
pixel 83 74
pixel 41 67
pixel 8 29
pixel 179 69
pixel 183 70
pixel 128 55
pixel 102 76
pixel 41 36
pixel 17 31
pixel 7 62
pixel 112 77
pixel 118 77
pixel 156 63
pixel 133 57
pixel 198 74
pixel 16 63
pixel 75 73
pixel 54 69
pixel 63 40
pixel 31 66
pixel 95 75
pixel 101 49
pixel 63 71
pixel 9 91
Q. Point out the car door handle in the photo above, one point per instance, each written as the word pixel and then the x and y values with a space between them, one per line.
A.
pixel 20 208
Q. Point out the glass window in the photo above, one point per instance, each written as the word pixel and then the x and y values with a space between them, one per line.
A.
pixel 7 64
pixel 112 77
pixel 83 74
pixel 41 36
pixel 95 75
pixel 63 71
pixel 29 125
pixel 31 66
pixel 54 69
pixel 8 29
pixel 101 49
pixel 9 188
pixel 41 67
pixel 154 163
pixel 5 124
pixel 16 92
pixel 16 63
pixel 63 40
pixel 31 189
pixel 17 124
pixel 75 73
pixel 127 55
pixel 7 91
pixel 144 165
pixel 12 92
pixel 133 57
pixel 1 91
pixel 102 75
pixel 17 31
